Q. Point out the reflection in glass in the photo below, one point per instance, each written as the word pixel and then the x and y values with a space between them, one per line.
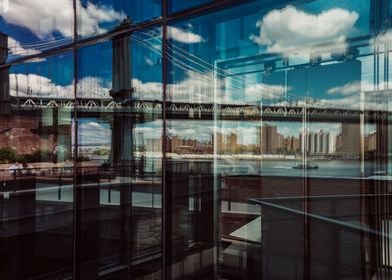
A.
pixel 100 16
pixel 37 169
pixel 29 35
pixel 253 141
pixel 292 128
pixel 178 5
pixel 119 157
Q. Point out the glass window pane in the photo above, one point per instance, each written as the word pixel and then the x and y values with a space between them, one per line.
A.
pixel 119 155
pixel 269 149
pixel 37 169
pixel 271 98
pixel 178 5
pixel 48 28
pixel 99 16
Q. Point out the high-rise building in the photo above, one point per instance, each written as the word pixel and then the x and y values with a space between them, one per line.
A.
pixel 232 144
pixel 320 142
pixel 154 145
pixel 269 139
pixel 371 142
pixel 331 143
pixel 351 139
pixel 219 142
pixel 291 144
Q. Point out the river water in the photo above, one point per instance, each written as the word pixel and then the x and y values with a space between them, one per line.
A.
pixel 332 168
pixel 281 167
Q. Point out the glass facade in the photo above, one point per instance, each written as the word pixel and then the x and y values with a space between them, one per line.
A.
pixel 166 139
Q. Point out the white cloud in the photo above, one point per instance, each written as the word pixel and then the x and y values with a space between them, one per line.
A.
pixel 148 90
pixel 35 85
pixel 200 87
pixel 93 132
pixel 88 87
pixel 291 31
pixel 385 37
pixel 91 16
pixel 32 84
pixel 195 88
pixel 369 100
pixel 93 87
pixel 361 94
pixel 359 86
pixel 381 39
pixel 347 89
pixel 257 92
pixel 15 48
pixel 183 36
pixel 45 16
pixel 94 125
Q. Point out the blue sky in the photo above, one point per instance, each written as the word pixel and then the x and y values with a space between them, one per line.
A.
pixel 195 45
pixel 234 39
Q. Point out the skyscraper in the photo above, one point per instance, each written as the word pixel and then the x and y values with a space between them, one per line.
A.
pixel 351 139
pixel 269 139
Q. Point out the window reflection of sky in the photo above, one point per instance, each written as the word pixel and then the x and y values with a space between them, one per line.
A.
pixel 231 36
pixel 50 27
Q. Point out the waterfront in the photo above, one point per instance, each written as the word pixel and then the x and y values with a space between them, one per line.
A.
pixel 281 167
pixel 333 168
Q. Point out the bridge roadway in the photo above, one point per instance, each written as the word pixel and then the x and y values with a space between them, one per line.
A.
pixel 148 110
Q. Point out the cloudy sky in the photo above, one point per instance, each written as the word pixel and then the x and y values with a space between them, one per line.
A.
pixel 195 48
pixel 290 31
pixel 93 131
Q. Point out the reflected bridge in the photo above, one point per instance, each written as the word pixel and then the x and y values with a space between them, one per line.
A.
pixel 201 111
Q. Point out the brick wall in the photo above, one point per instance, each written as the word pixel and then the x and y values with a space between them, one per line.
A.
pixel 20 134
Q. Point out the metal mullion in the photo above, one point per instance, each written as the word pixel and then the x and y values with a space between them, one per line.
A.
pixel 164 187
pixel 76 202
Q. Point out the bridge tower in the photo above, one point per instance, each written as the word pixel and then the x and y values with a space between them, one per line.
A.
pixel 122 124
pixel 5 108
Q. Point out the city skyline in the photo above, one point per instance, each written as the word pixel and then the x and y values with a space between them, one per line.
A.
pixel 321 142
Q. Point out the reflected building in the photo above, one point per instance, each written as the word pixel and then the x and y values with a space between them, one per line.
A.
pixel 269 140
pixel 227 143
pixel 292 144
pixel 232 145
pixel 351 140
pixel 371 142
pixel 320 142
pixel 154 145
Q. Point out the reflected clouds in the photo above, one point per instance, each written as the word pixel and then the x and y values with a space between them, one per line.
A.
pixel 33 85
pixel 16 48
pixel 347 89
pixel 374 96
pixel 56 16
pixel 382 38
pixel 291 31
pixel 198 88
pixel 259 91
pixel 91 16
pixel 183 36
pixel 94 132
